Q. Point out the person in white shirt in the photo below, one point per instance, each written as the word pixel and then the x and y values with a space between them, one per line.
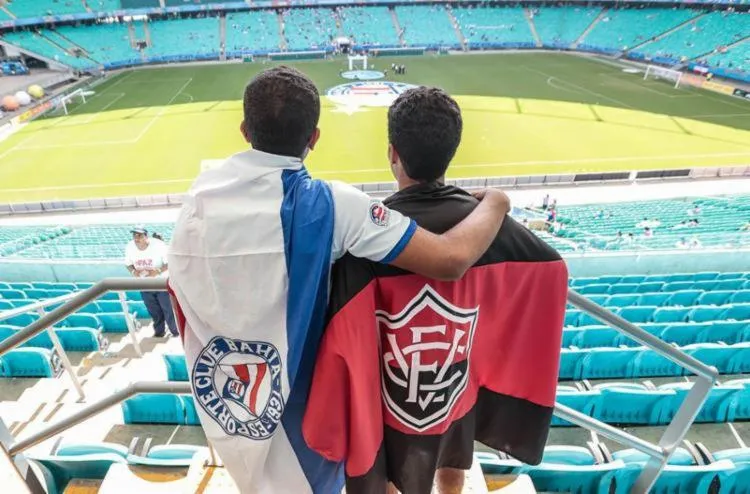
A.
pixel 250 262
pixel 147 258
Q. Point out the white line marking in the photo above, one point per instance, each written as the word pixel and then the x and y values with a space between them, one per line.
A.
pixel 163 109
pixel 737 436
pixel 98 186
pixel 565 162
pixel 16 146
pixel 598 95
pixel 94 114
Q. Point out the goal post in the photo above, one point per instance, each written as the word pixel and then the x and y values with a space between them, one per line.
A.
pixel 78 94
pixel 657 72
pixel 357 62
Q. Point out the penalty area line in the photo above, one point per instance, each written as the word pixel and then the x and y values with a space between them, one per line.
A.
pixel 561 162
pixel 101 186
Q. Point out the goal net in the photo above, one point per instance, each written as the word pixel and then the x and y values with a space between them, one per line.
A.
pixel 357 62
pixel 656 72
pixel 77 96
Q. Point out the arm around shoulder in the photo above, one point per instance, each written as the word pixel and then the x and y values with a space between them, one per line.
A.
pixel 450 255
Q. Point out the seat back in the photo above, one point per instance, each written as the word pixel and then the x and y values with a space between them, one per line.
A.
pixel 719 297
pixel 683 298
pixel 657 299
pixel 671 314
pixel 623 288
pixel 623 300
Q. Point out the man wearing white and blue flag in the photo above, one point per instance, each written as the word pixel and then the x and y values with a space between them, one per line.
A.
pixel 249 273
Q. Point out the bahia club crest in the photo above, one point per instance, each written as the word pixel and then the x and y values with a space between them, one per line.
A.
pixel 425 358
pixel 356 95
pixel 238 384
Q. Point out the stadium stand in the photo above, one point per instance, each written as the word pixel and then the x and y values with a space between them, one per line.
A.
pixel 427 26
pixel 103 5
pixel 251 32
pixel 559 27
pixel 487 27
pixel 700 37
pixel 105 43
pixel 622 29
pixel 88 242
pixel 307 29
pixel 36 8
pixel 368 26
pixel 735 58
pixel 170 38
pixel 37 43
pixel 716 222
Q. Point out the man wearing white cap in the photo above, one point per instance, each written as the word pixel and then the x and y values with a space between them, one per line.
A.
pixel 147 258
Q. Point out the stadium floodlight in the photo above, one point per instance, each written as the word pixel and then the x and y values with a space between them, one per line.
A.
pixel 353 59
pixel 71 98
pixel 657 72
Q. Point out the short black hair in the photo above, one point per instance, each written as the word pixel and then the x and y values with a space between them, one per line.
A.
pixel 424 125
pixel 281 111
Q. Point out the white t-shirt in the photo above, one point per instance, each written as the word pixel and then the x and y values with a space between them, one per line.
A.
pixel 154 256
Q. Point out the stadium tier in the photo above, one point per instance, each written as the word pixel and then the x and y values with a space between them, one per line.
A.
pixel 623 29
pixel 169 39
pixel 484 26
pixel 713 38
pixel 427 26
pixel 713 222
pixel 700 36
pixel 309 29
pixel 559 27
pixel 369 26
pixel 252 32
pixel 38 8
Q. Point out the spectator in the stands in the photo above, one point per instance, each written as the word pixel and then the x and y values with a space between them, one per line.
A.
pixel 745 227
pixel 648 232
pixel 693 223
pixel 147 258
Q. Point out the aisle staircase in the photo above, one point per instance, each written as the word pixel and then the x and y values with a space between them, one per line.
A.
pixel 667 33
pixel 530 20
pixel 727 47
pixel 223 37
pixel 457 28
pixel 593 24
pixel 283 46
pixel 397 27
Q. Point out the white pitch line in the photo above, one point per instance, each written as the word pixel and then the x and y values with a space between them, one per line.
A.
pixel 16 147
pixel 163 109
pixel 567 162
pixel 95 114
pixel 598 95
pixel 99 186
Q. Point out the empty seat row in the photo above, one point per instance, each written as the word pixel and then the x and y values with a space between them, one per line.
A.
pixel 635 404
pixel 664 278
pixel 684 298
pixel 110 322
pixel 617 363
pixel 71 339
pixel 566 470
pixel 661 286
pixel 30 362
pixel 93 460
pixel 645 314
pixel 681 334
pixel 160 409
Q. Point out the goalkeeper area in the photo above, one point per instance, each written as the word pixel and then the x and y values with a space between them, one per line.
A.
pixel 152 130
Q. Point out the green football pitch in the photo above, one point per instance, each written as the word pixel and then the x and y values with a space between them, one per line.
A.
pixel 150 131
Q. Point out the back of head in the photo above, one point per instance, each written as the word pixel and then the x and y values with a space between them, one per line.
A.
pixel 424 126
pixel 281 111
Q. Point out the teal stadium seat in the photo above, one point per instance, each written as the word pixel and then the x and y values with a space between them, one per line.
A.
pixel 176 367
pixel 684 298
pixel 154 409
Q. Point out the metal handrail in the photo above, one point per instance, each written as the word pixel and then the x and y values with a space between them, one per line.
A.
pixel 76 302
pixel 140 387
pixel 659 453
pixel 41 304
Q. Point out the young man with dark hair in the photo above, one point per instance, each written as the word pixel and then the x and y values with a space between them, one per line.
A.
pixel 448 362
pixel 250 262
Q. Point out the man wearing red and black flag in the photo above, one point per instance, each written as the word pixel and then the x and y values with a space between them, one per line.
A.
pixel 412 371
